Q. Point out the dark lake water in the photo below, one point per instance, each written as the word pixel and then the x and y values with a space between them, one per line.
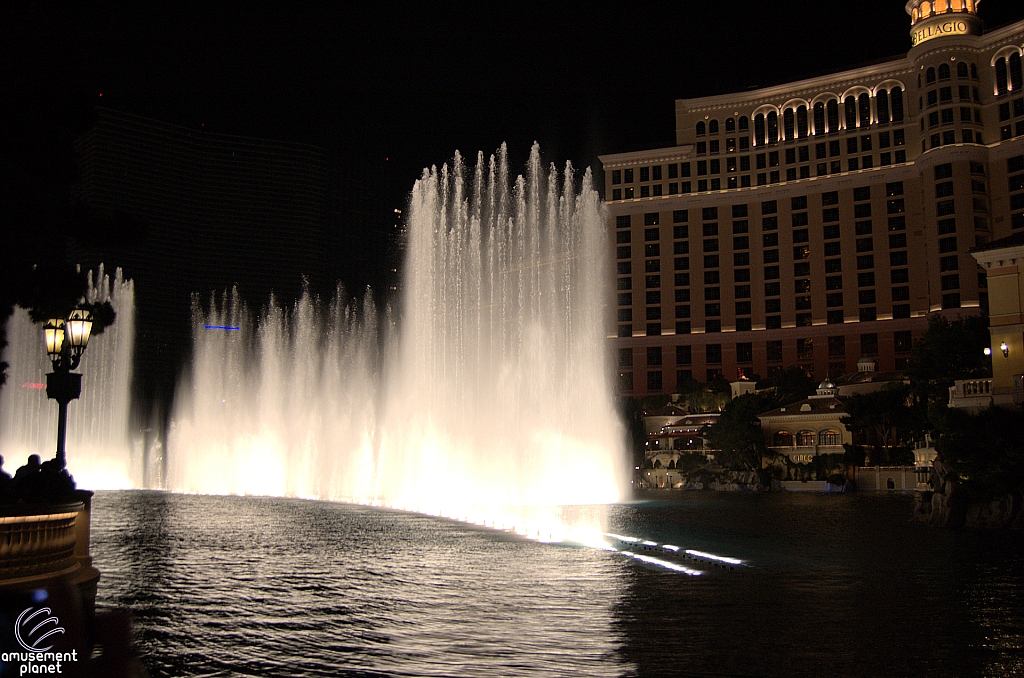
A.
pixel 841 585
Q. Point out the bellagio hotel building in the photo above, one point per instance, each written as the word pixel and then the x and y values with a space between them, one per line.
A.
pixel 821 221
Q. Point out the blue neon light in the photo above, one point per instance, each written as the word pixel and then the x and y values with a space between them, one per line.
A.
pixel 221 327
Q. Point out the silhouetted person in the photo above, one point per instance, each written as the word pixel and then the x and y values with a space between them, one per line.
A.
pixel 25 483
pixel 5 477
pixel 56 484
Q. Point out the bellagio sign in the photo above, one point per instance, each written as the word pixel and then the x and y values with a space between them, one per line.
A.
pixel 938 29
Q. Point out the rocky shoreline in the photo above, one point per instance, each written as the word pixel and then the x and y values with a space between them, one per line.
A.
pixel 947 505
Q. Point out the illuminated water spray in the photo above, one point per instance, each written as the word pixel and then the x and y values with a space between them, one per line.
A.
pixel 491 401
pixel 100 452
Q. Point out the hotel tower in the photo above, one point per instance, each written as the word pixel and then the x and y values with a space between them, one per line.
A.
pixel 821 221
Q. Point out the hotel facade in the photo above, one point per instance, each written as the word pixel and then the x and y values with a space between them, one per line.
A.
pixel 821 221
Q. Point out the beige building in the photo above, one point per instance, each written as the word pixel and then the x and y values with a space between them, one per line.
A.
pixel 1003 263
pixel 820 221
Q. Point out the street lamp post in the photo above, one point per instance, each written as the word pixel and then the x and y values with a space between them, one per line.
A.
pixel 66 340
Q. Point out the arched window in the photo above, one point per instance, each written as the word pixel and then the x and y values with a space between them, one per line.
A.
pixel 701 128
pixel 1015 74
pixel 783 439
pixel 713 127
pixel 760 139
pixel 773 128
pixel 744 124
pixel 974 72
pixel 830 437
pixel 896 104
pixel 801 122
pixel 850 105
pixel 1001 76
pixel 788 124
pixel 929 76
pixel 961 70
pixel 832 108
pixel 944 72
pixel 819 118
pixel 956 5
pixel 864 109
pixel 883 106
pixel 805 439
pixel 730 125
pixel 926 9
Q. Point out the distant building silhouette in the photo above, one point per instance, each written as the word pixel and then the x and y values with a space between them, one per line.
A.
pixel 208 211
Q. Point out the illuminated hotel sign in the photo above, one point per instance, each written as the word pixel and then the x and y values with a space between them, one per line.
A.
pixel 938 29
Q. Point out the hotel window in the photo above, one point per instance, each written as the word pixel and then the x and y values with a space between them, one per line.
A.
pixel 869 344
pixel 656 173
pixel 682 311
pixel 712 278
pixel 625 315
pixel 702 128
pixel 834 317
pixel 652 233
pixel 833 265
pixel 900 276
pixel 744 352
pixel 625 298
pixel 865 279
pixel 684 355
pixel 850 105
pixel 773 351
pixel 713 127
pixel 897 240
pixel 951 300
pixel 864 245
pixel 652 265
pixel 654 378
pixel 653 281
pixel 772 289
pixel 896 105
pixel 742 292
pixel 901 294
pixel 819 118
pixel 864 109
pixel 833 299
pixel 713 353
pixel 624 284
pixel 883 107
pixel 681 247
pixel 832 110
pixel 710 261
pixel 625 357
pixel 831 231
pixel 682 295
pixel 652 250
pixel 837 346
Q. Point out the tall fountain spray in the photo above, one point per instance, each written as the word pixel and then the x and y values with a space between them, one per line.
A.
pixel 98 440
pixel 491 401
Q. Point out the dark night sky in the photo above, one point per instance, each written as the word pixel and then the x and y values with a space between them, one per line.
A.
pixel 414 86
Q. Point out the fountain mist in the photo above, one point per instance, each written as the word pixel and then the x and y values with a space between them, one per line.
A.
pixel 493 403
pixel 98 442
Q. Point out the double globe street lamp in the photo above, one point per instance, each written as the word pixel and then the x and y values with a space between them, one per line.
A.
pixel 66 340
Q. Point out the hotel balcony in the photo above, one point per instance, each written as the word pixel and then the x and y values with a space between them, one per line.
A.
pixel 971 394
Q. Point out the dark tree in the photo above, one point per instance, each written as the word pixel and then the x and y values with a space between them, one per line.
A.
pixel 887 422
pixel 949 350
pixel 737 436
pixel 986 450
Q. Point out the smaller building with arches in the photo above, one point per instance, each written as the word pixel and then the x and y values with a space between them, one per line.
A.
pixel 800 431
